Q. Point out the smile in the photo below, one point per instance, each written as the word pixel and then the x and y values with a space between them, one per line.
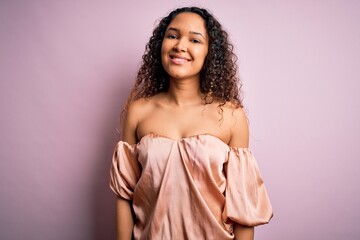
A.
pixel 178 59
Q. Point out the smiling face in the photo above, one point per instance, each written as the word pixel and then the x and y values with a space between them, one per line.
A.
pixel 185 46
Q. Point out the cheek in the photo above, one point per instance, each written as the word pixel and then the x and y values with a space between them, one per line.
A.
pixel 205 54
pixel 201 53
pixel 163 52
pixel 165 46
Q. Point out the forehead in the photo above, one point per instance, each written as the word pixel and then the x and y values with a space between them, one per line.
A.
pixel 188 21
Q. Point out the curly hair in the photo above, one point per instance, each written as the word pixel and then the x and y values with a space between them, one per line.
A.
pixel 218 77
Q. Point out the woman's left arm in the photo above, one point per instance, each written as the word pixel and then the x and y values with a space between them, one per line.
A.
pixel 239 128
pixel 243 232
pixel 240 138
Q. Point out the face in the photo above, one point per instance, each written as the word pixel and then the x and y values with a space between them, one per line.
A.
pixel 185 46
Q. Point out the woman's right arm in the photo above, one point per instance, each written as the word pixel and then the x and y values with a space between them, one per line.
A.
pixel 124 213
pixel 124 219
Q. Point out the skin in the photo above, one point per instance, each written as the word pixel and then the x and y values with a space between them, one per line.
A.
pixel 183 52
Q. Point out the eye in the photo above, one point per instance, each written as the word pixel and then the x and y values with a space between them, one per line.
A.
pixel 195 41
pixel 171 36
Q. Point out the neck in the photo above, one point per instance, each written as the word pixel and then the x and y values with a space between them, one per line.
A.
pixel 184 92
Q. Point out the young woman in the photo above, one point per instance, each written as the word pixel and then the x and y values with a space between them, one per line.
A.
pixel 183 169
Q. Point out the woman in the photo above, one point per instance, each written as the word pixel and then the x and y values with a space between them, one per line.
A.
pixel 183 169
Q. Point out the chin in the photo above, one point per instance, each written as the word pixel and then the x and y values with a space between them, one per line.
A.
pixel 178 75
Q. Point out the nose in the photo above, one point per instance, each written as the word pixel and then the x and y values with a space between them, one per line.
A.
pixel 180 46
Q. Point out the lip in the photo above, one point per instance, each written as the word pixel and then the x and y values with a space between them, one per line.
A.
pixel 178 59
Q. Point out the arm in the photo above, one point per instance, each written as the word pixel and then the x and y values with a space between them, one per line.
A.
pixel 243 232
pixel 240 138
pixel 239 129
pixel 124 219
pixel 124 213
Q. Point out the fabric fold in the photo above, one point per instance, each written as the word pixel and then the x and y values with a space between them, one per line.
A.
pixel 125 170
pixel 247 202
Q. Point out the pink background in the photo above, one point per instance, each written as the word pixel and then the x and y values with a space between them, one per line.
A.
pixel 66 68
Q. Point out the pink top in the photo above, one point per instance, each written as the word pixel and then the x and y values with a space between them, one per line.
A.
pixel 192 188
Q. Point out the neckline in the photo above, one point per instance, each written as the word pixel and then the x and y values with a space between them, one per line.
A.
pixel 187 138
pixel 196 136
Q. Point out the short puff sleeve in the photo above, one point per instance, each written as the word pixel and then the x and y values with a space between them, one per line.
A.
pixel 125 170
pixel 246 199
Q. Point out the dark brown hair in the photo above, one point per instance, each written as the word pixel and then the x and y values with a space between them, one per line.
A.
pixel 218 77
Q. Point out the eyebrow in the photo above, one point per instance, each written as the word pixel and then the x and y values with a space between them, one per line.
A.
pixel 192 32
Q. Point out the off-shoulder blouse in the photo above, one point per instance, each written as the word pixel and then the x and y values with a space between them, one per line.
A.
pixel 193 188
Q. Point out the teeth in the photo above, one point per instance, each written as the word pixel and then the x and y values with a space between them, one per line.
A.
pixel 180 60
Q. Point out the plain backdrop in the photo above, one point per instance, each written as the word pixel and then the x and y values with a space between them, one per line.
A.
pixel 66 68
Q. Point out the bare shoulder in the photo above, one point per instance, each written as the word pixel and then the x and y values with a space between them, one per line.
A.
pixel 135 113
pixel 234 110
pixel 236 119
pixel 140 106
